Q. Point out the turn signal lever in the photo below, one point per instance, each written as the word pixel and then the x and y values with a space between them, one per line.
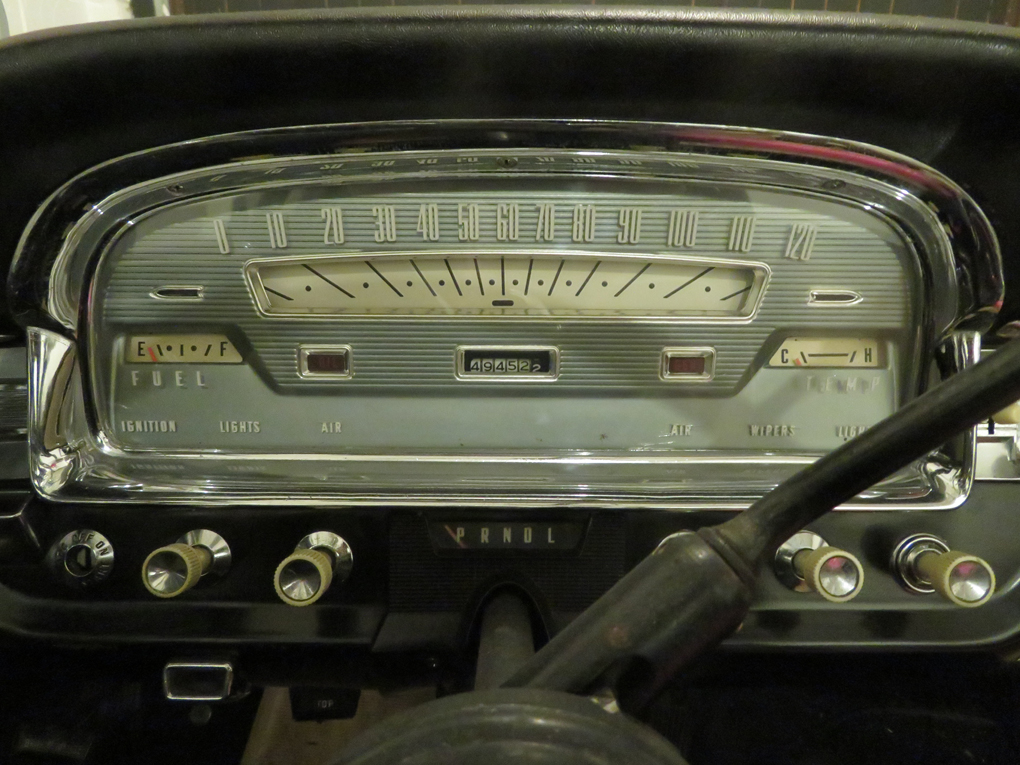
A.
pixel 174 569
pixel 924 564
pixel 304 576
pixel 805 562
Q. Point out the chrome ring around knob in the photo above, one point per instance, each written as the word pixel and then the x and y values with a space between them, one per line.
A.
pixel 215 544
pixel 783 563
pixel 904 556
pixel 81 558
pixel 335 546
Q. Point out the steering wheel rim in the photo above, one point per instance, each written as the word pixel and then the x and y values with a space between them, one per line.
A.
pixel 504 725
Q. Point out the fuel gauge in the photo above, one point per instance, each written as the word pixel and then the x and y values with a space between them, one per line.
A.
pixel 830 353
pixel 181 349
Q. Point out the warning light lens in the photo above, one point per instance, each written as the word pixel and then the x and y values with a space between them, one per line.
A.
pixel 688 364
pixel 330 362
pixel 327 363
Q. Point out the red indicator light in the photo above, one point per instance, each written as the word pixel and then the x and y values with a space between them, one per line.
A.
pixel 686 365
pixel 327 363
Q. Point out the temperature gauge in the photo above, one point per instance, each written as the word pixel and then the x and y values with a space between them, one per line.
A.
pixel 181 349
pixel 830 353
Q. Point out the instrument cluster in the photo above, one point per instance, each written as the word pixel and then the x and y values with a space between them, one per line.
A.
pixel 615 315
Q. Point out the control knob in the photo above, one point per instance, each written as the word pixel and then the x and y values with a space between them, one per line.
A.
pixel 304 576
pixel 805 562
pixel 924 564
pixel 175 569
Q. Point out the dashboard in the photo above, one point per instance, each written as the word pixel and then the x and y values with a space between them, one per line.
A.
pixel 379 322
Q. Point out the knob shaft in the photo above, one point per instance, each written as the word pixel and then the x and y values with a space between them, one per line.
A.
pixel 304 576
pixel 174 569
pixel 962 579
pixel 834 574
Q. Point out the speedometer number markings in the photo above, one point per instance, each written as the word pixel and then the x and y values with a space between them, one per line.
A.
pixel 334 232
pixel 583 224
pixel 508 222
pixel 467 223
pixel 277 231
pixel 220 231
pixel 630 226
pixel 801 242
pixel 385 223
pixel 683 228
pixel 545 228
pixel 428 222
pixel 741 233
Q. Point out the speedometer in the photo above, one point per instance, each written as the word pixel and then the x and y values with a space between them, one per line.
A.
pixel 518 283
pixel 525 322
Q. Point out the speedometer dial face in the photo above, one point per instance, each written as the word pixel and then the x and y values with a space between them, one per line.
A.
pixel 506 284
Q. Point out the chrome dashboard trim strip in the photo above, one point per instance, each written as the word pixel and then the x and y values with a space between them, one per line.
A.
pixel 53 262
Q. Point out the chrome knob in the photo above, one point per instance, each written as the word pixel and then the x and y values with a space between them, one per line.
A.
pixel 924 564
pixel 81 559
pixel 305 575
pixel 805 563
pixel 174 569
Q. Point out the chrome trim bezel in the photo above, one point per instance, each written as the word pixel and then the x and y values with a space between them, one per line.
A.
pixel 197 297
pixel 855 299
pixel 705 352
pixel 303 371
pixel 227 680
pixel 52 271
